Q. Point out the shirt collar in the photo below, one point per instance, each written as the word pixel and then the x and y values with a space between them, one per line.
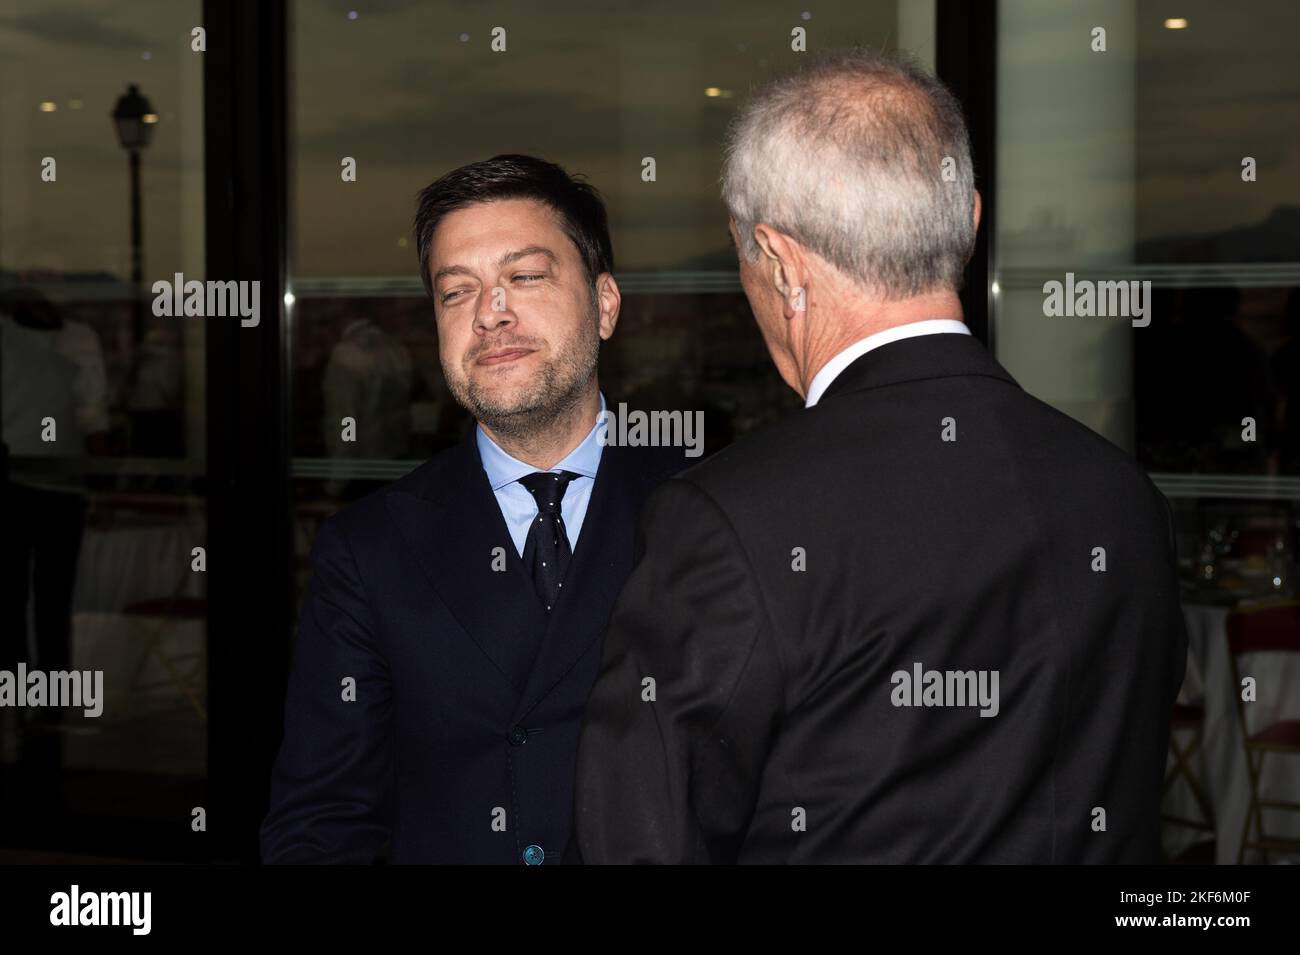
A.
pixel 831 370
pixel 503 468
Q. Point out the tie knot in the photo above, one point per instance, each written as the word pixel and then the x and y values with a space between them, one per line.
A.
pixel 547 488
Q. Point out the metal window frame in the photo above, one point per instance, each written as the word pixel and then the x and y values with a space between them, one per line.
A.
pixel 966 34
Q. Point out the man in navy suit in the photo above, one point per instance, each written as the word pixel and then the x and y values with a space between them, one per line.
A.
pixel 452 630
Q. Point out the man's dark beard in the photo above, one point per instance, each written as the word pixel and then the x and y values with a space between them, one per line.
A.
pixel 557 393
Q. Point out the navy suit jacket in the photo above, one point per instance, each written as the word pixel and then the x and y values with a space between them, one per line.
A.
pixel 777 734
pixel 433 702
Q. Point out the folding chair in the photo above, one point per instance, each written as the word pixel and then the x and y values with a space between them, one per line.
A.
pixel 1188 720
pixel 1270 628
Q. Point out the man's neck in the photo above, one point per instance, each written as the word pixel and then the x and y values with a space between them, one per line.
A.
pixel 851 322
pixel 547 448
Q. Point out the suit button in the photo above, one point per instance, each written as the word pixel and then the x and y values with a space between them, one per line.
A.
pixel 518 736
pixel 534 855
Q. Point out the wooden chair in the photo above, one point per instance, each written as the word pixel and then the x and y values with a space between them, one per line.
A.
pixel 1188 722
pixel 1270 628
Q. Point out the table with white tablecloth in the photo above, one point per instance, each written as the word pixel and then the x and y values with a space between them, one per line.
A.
pixel 138 559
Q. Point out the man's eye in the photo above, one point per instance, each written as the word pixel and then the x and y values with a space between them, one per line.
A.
pixel 448 296
pixel 528 277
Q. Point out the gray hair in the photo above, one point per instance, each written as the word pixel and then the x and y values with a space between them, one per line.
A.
pixel 848 157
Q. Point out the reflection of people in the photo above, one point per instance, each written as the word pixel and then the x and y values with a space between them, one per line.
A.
pixel 54 401
pixel 1189 361
pixel 451 631
pixel 156 399
pixel 368 379
pixel 926 619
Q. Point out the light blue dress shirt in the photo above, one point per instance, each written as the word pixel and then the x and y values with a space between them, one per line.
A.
pixel 517 504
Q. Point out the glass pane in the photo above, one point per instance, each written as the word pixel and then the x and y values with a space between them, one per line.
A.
pixel 1148 283
pixel 413 92
pixel 635 98
pixel 104 422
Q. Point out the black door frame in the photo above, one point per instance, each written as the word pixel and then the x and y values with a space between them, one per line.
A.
pixel 966 57
pixel 250 549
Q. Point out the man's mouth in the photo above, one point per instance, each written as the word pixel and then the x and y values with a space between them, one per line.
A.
pixel 501 356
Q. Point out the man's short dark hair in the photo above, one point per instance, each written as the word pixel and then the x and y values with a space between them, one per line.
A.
pixel 578 204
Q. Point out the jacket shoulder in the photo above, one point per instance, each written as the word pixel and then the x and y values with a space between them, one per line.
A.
pixel 357 516
pixel 749 456
pixel 656 464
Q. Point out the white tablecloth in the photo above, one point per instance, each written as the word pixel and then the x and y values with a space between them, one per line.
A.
pixel 121 565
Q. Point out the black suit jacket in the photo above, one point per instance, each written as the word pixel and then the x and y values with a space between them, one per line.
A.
pixel 468 695
pixel 773 734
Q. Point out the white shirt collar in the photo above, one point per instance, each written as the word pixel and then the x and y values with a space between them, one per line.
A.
pixel 831 370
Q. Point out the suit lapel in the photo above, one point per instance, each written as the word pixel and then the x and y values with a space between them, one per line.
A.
pixel 452 526
pixel 600 565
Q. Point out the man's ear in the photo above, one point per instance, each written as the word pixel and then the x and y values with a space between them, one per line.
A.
pixel 610 300
pixel 978 209
pixel 776 257
pixel 788 267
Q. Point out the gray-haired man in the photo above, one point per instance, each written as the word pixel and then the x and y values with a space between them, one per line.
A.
pixel 927 619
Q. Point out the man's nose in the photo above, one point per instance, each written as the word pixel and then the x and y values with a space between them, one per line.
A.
pixel 493 310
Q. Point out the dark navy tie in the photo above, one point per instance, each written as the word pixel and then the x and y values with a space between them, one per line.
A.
pixel 546 551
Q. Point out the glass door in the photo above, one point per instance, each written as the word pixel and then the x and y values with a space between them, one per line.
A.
pixel 103 523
